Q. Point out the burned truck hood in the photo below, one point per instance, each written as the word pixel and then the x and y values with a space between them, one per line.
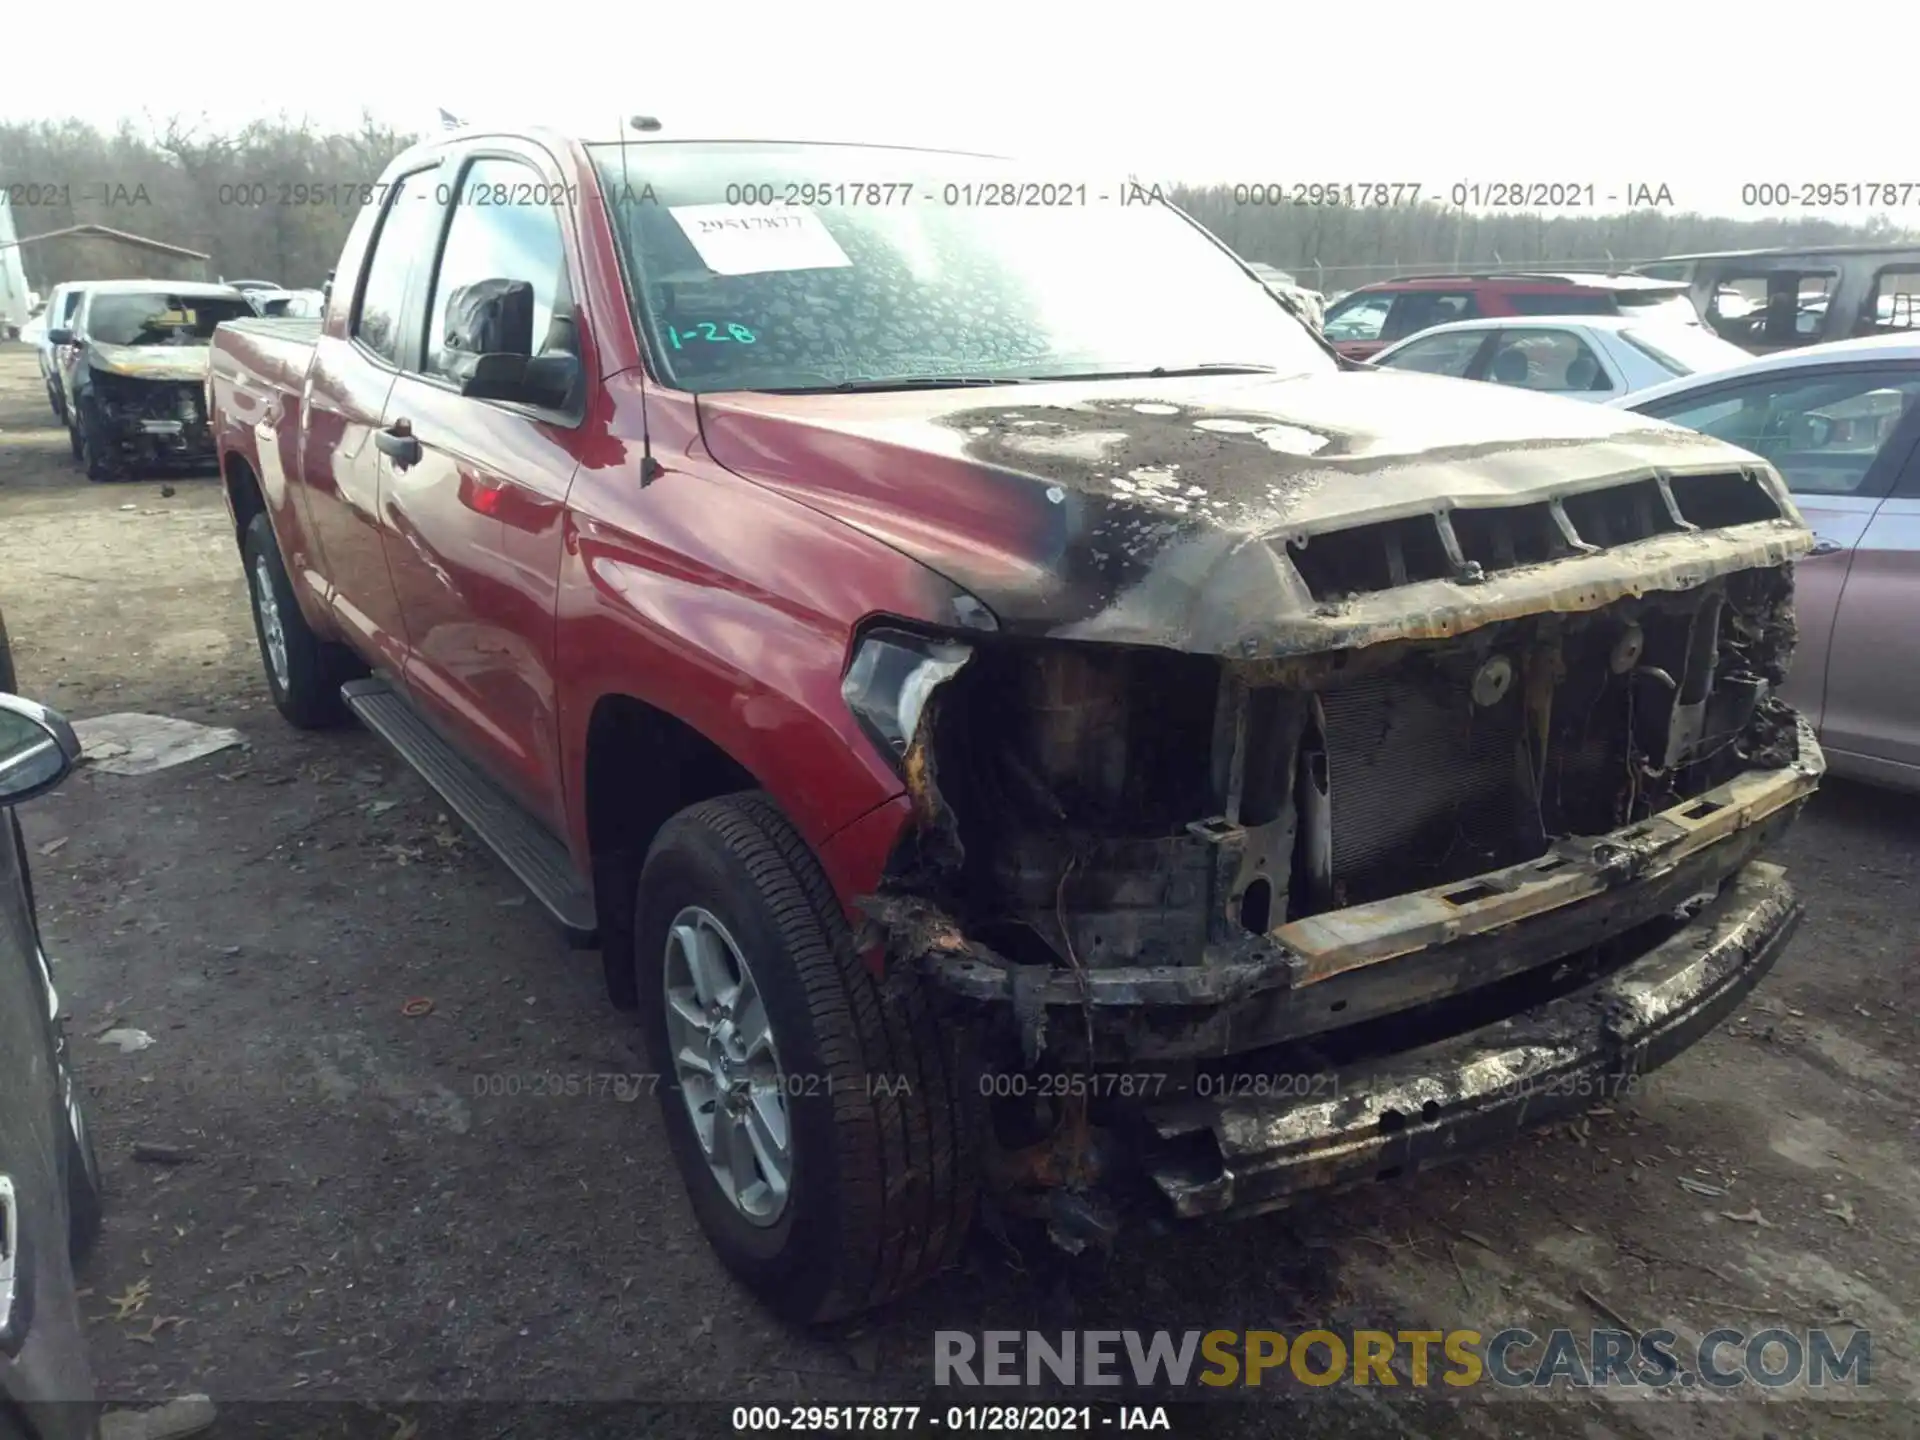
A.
pixel 151 362
pixel 1165 512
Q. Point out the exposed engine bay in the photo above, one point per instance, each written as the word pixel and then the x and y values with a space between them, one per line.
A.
pixel 153 421
pixel 1226 871
pixel 1102 806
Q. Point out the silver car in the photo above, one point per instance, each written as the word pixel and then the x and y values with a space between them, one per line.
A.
pixel 1840 423
pixel 1585 357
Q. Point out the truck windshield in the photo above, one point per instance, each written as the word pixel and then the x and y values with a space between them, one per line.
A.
pixel 794 267
pixel 161 319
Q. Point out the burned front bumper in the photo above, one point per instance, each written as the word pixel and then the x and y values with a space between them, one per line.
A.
pixel 1304 980
pixel 1377 1039
pixel 1443 1100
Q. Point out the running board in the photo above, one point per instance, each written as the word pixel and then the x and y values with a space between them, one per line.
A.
pixel 527 847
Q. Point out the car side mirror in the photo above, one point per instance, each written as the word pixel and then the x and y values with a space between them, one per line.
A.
pixel 38 749
pixel 489 347
pixel 60 335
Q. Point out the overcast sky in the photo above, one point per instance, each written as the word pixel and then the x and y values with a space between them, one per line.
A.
pixel 1701 98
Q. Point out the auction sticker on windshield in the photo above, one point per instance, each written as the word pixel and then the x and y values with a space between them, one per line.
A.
pixel 753 239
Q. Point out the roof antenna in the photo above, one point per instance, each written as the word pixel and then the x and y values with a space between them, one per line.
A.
pixel 650 468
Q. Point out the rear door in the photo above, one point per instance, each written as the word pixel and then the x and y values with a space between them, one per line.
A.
pixel 1828 430
pixel 348 381
pixel 1873 674
pixel 474 538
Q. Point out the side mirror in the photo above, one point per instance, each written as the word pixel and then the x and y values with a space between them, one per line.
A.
pixel 60 335
pixel 545 380
pixel 38 749
pixel 489 347
pixel 491 317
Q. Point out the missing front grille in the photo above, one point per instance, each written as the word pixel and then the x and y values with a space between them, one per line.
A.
pixel 1620 514
pixel 1505 537
pixel 1730 499
pixel 1371 557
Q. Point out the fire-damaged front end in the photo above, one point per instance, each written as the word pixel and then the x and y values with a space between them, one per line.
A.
pixel 151 404
pixel 1429 815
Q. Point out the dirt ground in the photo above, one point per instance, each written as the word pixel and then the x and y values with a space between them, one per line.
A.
pixel 368 1217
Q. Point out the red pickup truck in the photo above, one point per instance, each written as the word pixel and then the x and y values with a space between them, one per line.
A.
pixel 1020 718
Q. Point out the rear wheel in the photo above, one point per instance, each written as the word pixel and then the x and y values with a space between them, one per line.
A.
pixel 304 672
pixel 818 1120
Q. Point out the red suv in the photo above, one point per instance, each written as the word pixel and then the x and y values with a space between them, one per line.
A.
pixel 1366 321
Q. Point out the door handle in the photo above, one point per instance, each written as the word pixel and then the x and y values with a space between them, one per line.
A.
pixel 1824 546
pixel 398 444
pixel 16 1299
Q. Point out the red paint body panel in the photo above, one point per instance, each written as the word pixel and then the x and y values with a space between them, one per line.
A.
pixel 520 572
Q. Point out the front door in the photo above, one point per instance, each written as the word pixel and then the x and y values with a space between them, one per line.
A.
pixel 1827 430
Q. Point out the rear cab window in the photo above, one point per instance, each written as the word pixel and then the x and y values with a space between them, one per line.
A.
pixel 406 230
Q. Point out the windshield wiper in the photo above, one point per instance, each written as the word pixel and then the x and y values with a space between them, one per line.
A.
pixel 902 382
pixel 1164 372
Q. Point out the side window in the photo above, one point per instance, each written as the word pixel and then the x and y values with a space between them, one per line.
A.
pixel 406 229
pixel 1417 310
pixel 1360 317
pixel 1893 304
pixel 1774 308
pixel 1822 432
pixel 1448 354
pixel 496 236
pixel 69 306
pixel 1553 360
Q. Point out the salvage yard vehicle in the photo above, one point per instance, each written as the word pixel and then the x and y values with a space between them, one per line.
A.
pixel 1365 321
pixel 1019 716
pixel 62 303
pixel 1840 424
pixel 49 1177
pixel 133 371
pixel 1767 300
pixel 1593 358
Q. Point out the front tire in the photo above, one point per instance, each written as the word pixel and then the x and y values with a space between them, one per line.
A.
pixel 97 451
pixel 304 673
pixel 873 1190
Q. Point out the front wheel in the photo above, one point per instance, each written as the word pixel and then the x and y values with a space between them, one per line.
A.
pixel 819 1122
pixel 97 450
pixel 304 673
